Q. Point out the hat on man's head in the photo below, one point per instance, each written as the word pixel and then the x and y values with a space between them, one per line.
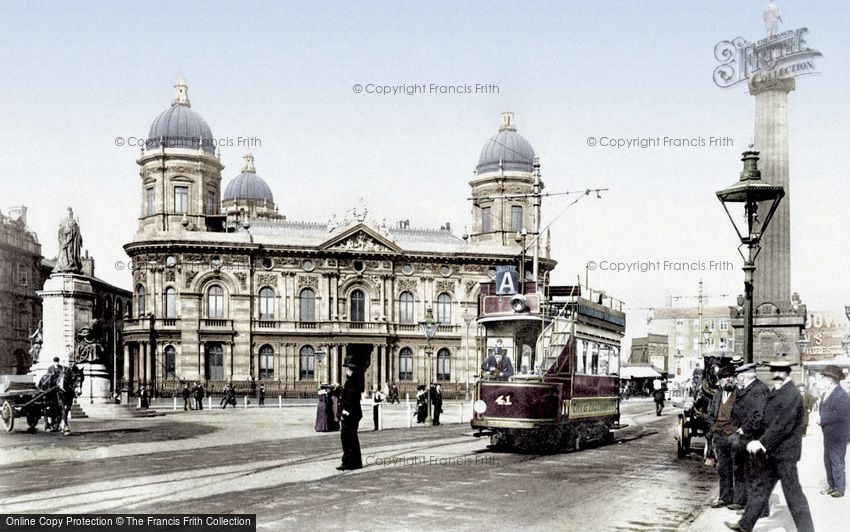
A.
pixel 351 362
pixel 833 372
pixel 781 364
pixel 726 371
pixel 747 368
pixel 737 360
pixel 55 359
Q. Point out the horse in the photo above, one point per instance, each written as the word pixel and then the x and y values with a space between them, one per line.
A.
pixel 62 386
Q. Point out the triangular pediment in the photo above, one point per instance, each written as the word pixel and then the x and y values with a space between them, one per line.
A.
pixel 361 238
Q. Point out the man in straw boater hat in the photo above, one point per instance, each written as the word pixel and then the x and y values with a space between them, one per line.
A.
pixel 781 443
pixel 351 414
pixel 835 423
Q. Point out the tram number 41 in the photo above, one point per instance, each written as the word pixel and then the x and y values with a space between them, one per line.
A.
pixel 504 400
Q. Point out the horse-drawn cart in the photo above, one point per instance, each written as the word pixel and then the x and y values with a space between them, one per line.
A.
pixel 693 422
pixel 26 402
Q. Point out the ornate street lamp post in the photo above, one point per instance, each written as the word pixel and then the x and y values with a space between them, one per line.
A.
pixel 746 195
pixel 429 329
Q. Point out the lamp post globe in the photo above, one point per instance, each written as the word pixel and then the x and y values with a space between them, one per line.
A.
pixel 745 197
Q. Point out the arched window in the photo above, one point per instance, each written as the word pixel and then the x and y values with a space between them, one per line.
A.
pixel 170 362
pixel 266 303
pixel 307 305
pixel 140 301
pixel 170 303
pixel 444 308
pixel 405 364
pixel 214 362
pixel 308 363
pixel 266 363
pixel 405 307
pixel 444 364
pixel 358 306
pixel 215 302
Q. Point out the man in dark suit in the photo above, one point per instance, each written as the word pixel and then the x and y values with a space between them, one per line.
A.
pixel 436 403
pixel 748 411
pixel 782 443
pixel 835 423
pixel 723 428
pixel 351 414
pixel 498 365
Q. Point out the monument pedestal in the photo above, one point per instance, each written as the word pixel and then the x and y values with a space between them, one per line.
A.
pixel 67 307
pixel 773 335
pixel 97 388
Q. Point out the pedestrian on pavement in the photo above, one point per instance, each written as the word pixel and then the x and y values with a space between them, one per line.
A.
pixel 723 427
pixel 658 397
pixel 228 397
pixel 184 393
pixel 377 399
pixel 394 394
pixel 436 403
pixel 809 401
pixel 421 404
pixel 835 423
pixel 748 411
pixel 781 443
pixel 198 393
pixel 144 397
pixel 261 395
pixel 351 414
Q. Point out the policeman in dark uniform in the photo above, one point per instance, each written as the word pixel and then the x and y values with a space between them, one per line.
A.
pixel 350 414
pixel 781 443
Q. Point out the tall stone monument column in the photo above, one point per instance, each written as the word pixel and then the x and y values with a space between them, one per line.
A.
pixel 772 281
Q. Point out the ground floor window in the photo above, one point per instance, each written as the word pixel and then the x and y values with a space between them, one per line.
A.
pixel 170 362
pixel 266 363
pixel 405 364
pixel 444 364
pixel 308 363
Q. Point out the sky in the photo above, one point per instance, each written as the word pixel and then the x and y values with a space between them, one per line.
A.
pixel 78 76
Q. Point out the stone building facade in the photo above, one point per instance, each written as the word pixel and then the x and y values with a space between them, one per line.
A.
pixel 226 288
pixel 689 336
pixel 22 272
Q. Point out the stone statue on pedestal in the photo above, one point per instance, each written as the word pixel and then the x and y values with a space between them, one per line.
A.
pixel 772 18
pixel 89 348
pixel 36 340
pixel 70 245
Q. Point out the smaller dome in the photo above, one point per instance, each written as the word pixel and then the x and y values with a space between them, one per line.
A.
pixel 248 185
pixel 507 150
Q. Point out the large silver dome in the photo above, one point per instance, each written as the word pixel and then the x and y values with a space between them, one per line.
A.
pixel 507 150
pixel 248 185
pixel 179 126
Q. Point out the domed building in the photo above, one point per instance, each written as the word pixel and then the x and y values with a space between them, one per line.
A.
pixel 248 196
pixel 226 289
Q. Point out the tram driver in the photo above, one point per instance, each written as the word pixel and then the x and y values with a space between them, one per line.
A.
pixel 498 364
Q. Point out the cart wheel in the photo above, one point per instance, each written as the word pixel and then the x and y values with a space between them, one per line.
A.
pixel 8 414
pixel 683 437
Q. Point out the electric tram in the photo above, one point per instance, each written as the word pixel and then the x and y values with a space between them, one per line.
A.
pixel 564 344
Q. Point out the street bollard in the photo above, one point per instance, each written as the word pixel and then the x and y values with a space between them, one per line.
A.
pixel 460 412
pixel 246 401
pixel 209 402
pixel 409 415
pixel 140 403
pixel 279 401
pixel 174 407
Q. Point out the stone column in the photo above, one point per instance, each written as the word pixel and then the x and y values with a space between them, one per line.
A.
pixel 375 366
pixel 772 278
pixel 334 363
pixel 342 355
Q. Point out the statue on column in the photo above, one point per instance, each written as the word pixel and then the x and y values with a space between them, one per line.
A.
pixel 772 18
pixel 89 347
pixel 70 245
